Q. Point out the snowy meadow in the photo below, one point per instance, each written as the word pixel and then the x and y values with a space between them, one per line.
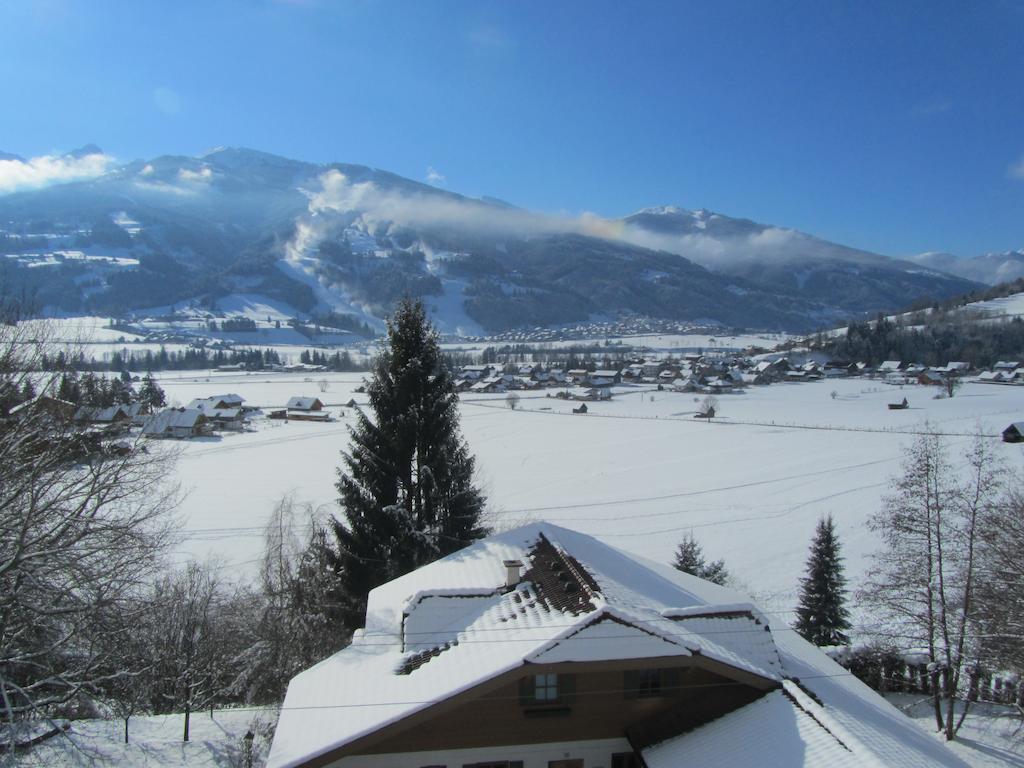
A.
pixel 639 471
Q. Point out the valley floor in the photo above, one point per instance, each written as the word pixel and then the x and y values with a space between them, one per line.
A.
pixel 639 471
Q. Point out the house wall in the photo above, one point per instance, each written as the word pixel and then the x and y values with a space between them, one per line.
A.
pixel 595 754
pixel 598 709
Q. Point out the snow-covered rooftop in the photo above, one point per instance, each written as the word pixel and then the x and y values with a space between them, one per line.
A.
pixel 453 624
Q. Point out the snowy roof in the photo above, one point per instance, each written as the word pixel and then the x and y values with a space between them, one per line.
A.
pixel 792 726
pixel 207 404
pixel 89 413
pixel 170 418
pixel 302 403
pixel 432 634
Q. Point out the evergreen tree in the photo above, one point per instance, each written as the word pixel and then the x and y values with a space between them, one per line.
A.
pixel 690 559
pixel 822 617
pixel 406 487
pixel 151 393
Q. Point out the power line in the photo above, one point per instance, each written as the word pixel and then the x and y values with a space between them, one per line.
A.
pixel 512 697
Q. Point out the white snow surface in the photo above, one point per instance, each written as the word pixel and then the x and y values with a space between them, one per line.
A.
pixel 155 741
pixel 633 596
pixel 638 471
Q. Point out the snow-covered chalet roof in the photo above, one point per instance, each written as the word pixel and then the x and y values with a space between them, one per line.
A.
pixel 452 625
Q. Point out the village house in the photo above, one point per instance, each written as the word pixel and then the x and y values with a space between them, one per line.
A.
pixel 115 418
pixel 603 378
pixel 932 377
pixel 176 422
pixel 221 412
pixel 305 404
pixel 474 372
pixel 60 411
pixel 542 647
pixel 217 402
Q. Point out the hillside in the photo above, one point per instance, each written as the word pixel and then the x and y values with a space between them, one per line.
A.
pixel 351 240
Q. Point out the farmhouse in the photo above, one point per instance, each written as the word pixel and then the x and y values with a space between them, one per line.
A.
pixel 114 418
pixel 217 402
pixel 58 410
pixel 175 422
pixel 543 648
pixel 603 378
pixel 305 404
pixel 476 371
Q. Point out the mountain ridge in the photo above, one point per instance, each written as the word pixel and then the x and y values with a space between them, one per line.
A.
pixel 350 239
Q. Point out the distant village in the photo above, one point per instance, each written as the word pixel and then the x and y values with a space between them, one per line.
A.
pixel 719 373
pixel 201 417
pixel 715 373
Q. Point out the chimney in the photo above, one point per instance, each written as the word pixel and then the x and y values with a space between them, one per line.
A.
pixel 512 572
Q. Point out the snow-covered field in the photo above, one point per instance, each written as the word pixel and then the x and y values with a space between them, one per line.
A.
pixel 638 472
pixel 1007 307
pixel 992 735
pixel 156 741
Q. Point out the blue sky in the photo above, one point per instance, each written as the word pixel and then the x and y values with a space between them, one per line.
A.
pixel 896 127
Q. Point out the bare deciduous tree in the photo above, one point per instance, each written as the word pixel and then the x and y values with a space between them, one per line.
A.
pixel 924 581
pixel 1001 586
pixel 81 527
pixel 299 621
pixel 708 407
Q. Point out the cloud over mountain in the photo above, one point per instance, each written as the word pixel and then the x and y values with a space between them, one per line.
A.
pixel 18 174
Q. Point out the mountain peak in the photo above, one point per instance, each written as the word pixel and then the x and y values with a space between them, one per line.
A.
pixel 85 151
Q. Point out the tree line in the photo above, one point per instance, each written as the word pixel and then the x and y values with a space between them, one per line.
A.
pixel 190 359
pixel 941 339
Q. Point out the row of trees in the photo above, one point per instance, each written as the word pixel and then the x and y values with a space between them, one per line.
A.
pixel 193 358
pixel 935 341
pixel 339 361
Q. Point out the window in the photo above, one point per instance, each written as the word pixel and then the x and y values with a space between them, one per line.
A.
pixel 545 688
pixel 650 683
pixel 624 760
pixel 546 694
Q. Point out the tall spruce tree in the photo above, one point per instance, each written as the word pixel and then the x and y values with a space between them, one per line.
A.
pixel 822 617
pixel 406 487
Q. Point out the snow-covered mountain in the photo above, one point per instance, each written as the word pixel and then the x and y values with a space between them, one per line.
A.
pixel 346 240
pixel 988 268
pixel 789 261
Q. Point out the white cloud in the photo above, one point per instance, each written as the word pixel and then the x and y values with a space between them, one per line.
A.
pixel 203 175
pixel 338 201
pixel 147 169
pixel 16 175
pixel 435 177
pixel 1016 170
